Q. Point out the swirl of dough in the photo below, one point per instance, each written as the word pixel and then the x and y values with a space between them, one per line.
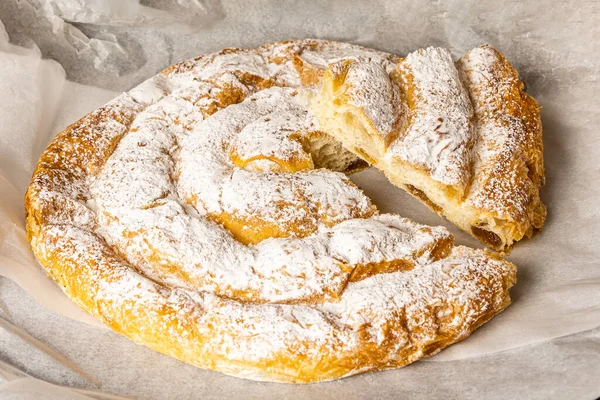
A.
pixel 232 204
pixel 206 214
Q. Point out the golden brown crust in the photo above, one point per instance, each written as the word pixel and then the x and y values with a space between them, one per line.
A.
pixel 177 328
pixel 517 164
pixel 478 162
pixel 423 303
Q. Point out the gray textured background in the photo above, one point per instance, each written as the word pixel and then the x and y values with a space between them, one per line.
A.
pixel 116 44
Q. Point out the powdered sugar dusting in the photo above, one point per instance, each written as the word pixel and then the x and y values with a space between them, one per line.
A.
pixel 401 313
pixel 439 137
pixel 149 259
pixel 217 185
pixel 371 89
pixel 332 54
pixel 502 177
pixel 142 191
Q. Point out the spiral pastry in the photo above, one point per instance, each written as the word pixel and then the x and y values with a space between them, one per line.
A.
pixel 207 214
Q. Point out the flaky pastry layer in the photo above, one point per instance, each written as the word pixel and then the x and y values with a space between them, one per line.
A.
pixel 466 140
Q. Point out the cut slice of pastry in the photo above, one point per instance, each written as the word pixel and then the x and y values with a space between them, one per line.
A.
pixel 464 139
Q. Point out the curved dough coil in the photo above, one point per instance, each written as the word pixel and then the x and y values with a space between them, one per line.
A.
pixel 201 214
pixel 464 139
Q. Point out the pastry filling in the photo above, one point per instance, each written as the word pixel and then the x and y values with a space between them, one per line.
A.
pixel 487 237
pixel 418 193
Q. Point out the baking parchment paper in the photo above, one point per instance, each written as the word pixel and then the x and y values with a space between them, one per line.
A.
pixel 554 47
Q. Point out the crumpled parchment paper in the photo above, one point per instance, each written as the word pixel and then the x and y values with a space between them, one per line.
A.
pixel 115 45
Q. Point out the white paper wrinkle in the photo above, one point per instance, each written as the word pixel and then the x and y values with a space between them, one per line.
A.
pixel 555 51
pixel 16 384
pixel 104 38
pixel 157 14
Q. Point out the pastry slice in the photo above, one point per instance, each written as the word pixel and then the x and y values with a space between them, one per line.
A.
pixel 464 139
